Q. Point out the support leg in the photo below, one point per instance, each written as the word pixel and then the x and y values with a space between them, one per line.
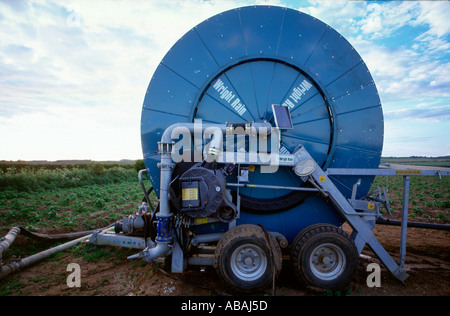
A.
pixel 404 226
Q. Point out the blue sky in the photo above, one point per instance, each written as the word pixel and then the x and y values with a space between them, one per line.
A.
pixel 73 74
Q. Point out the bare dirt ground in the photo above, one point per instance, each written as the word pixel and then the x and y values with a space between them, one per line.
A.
pixel 427 263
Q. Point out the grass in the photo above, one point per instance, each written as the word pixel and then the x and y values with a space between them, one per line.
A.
pixel 68 209
pixel 65 199
pixel 67 196
pixel 37 178
pixel 65 210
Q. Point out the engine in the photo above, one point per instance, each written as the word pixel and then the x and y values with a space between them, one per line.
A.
pixel 201 192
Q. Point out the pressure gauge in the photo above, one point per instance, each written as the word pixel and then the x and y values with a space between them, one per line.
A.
pixel 305 167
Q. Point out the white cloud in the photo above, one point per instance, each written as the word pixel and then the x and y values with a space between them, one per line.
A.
pixel 372 24
pixel 381 20
pixel 436 15
pixel 404 73
pixel 73 75
pixel 77 71
pixel 341 15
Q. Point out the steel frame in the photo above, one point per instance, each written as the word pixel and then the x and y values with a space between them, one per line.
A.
pixel 361 222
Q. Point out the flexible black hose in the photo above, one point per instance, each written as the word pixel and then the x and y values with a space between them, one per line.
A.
pixel 55 237
pixel 413 224
pixel 272 257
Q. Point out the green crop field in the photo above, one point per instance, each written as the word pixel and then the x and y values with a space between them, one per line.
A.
pixel 67 197
pixel 429 197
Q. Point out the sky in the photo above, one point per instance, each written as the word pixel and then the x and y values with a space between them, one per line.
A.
pixel 74 73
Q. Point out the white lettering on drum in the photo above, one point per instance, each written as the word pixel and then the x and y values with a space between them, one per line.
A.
pixel 229 97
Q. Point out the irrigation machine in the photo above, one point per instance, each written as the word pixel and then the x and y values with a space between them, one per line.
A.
pixel 262 132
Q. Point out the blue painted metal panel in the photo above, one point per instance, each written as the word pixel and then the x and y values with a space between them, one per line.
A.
pixel 262 74
pixel 282 82
pixel 242 78
pixel 332 57
pixel 353 80
pixel 366 97
pixel 169 93
pixel 299 37
pixel 351 133
pixel 223 36
pixel 190 59
pixel 235 65
pixel 261 30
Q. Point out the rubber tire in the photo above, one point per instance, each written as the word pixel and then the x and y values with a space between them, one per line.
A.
pixel 246 235
pixel 312 237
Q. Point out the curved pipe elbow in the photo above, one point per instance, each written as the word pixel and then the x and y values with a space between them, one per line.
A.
pixel 161 250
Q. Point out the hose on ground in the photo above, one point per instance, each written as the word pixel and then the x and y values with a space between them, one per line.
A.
pixel 9 238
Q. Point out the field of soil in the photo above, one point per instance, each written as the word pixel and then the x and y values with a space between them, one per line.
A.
pixel 105 271
pixel 111 274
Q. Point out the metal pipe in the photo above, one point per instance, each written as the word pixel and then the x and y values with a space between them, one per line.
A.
pixel 404 228
pixel 205 238
pixel 271 187
pixel 8 240
pixel 199 128
pixel 161 250
pixel 165 148
pixel 13 267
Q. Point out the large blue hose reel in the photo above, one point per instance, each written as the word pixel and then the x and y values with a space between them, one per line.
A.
pixel 234 66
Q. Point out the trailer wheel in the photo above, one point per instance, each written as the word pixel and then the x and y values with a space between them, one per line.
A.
pixel 324 257
pixel 243 258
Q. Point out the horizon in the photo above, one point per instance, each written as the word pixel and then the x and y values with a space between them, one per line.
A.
pixel 124 160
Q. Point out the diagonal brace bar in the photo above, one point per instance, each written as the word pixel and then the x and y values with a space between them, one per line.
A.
pixel 365 234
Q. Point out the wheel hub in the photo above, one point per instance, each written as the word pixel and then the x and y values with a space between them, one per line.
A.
pixel 327 261
pixel 248 262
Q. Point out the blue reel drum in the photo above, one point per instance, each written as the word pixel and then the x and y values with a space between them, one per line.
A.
pixel 234 66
